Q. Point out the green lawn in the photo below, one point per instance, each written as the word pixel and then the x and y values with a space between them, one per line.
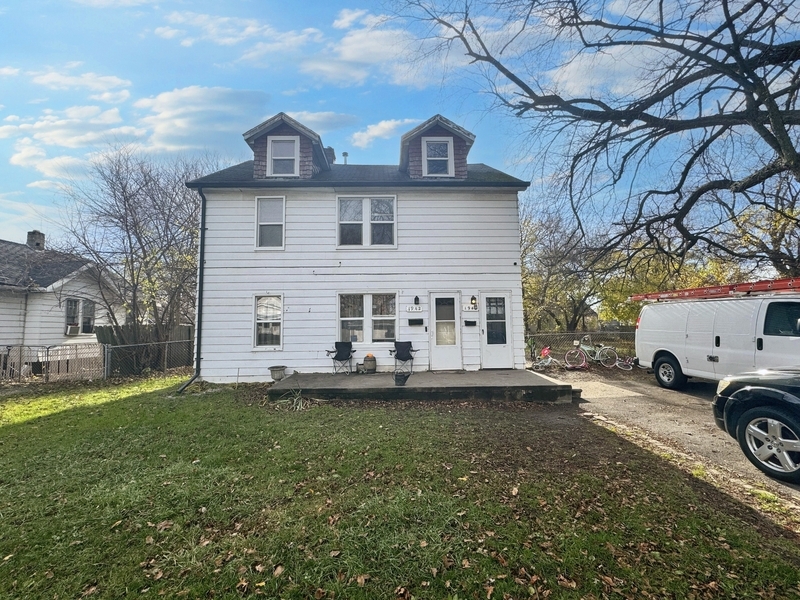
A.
pixel 122 490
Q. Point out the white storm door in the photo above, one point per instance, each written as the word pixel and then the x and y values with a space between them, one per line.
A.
pixel 497 351
pixel 445 332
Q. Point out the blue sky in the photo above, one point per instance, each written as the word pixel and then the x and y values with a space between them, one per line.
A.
pixel 178 76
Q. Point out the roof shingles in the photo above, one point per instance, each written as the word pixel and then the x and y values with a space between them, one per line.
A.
pixel 241 175
pixel 23 267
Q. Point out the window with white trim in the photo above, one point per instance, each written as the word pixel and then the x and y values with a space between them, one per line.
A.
pixel 87 316
pixel 79 316
pixel 367 317
pixel 437 157
pixel 270 214
pixel 269 321
pixel 283 156
pixel 367 221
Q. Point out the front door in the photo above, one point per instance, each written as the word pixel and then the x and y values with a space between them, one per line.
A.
pixel 497 351
pixel 445 332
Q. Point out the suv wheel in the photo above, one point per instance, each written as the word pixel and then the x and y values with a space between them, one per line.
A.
pixel 770 439
pixel 668 373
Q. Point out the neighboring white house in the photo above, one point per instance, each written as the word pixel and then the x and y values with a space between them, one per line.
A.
pixel 47 298
pixel 299 252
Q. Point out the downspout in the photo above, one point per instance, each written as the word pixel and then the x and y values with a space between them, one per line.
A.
pixel 200 271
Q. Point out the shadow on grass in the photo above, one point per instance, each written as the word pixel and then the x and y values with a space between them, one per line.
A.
pixel 210 493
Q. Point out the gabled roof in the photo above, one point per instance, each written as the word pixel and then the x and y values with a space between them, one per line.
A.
pixel 280 119
pixel 375 176
pixel 23 267
pixel 447 124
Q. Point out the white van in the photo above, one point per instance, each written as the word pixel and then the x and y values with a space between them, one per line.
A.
pixel 715 338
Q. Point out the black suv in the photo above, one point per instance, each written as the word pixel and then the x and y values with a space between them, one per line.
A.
pixel 762 411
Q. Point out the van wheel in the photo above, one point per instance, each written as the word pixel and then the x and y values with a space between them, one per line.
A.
pixel 668 373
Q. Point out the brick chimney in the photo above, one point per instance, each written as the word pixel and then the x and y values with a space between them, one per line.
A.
pixel 36 240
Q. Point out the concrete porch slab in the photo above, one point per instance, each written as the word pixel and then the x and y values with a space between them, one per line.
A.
pixel 492 385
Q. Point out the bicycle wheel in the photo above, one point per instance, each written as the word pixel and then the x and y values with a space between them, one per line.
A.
pixel 575 358
pixel 625 365
pixel 608 357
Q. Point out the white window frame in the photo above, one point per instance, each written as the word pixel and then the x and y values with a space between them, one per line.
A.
pixel 256 322
pixel 368 318
pixel 259 223
pixel 366 222
pixel 283 138
pixel 450 158
pixel 79 313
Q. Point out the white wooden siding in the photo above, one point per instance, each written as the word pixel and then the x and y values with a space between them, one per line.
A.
pixel 12 318
pixel 46 318
pixel 460 241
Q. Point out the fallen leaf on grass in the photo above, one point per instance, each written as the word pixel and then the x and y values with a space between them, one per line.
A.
pixel 362 579
pixel 320 594
pixel 278 570
pixel 566 583
pixel 515 491
pixel 117 524
pixel 335 553
pixel 164 525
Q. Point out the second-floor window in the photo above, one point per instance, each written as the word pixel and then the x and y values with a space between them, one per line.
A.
pixel 283 156
pixel 269 222
pixel 367 221
pixel 437 157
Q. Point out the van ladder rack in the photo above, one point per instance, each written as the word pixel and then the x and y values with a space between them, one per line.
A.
pixel 721 291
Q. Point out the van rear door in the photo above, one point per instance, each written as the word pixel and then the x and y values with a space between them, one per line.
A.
pixel 734 336
pixel 699 345
pixel 778 334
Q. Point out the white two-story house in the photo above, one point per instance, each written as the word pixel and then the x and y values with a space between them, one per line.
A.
pixel 299 252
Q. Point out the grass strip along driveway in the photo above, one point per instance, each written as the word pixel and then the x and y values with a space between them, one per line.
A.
pixel 115 490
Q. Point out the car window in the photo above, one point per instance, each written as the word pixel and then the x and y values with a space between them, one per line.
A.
pixel 783 318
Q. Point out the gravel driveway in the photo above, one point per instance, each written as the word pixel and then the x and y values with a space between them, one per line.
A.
pixel 678 423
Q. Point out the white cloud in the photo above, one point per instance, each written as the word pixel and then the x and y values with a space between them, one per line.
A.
pixel 168 32
pixel 112 3
pixel 11 118
pixel 382 130
pixel 45 184
pixel 75 127
pixel 29 154
pixel 91 81
pixel 19 217
pixel 223 31
pixel 289 42
pixel 197 117
pixel 322 122
pixel 347 17
pixel 112 97
pixel 618 70
pixel 8 71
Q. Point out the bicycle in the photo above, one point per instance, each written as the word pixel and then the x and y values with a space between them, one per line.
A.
pixel 626 364
pixel 584 351
pixel 545 360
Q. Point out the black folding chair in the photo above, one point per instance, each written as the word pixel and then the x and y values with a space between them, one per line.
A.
pixel 403 357
pixel 342 357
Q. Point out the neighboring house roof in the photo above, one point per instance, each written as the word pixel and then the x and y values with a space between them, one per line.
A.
pixel 23 267
pixel 389 176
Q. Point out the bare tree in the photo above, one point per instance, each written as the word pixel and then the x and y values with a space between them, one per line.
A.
pixel 675 123
pixel 134 218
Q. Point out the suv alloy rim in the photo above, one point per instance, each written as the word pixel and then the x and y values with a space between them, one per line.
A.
pixel 774 444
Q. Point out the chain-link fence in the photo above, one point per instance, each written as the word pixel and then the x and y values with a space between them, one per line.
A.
pixel 72 362
pixel 143 359
pixel 560 343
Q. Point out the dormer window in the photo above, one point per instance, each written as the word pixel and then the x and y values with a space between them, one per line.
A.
pixel 437 157
pixel 283 156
